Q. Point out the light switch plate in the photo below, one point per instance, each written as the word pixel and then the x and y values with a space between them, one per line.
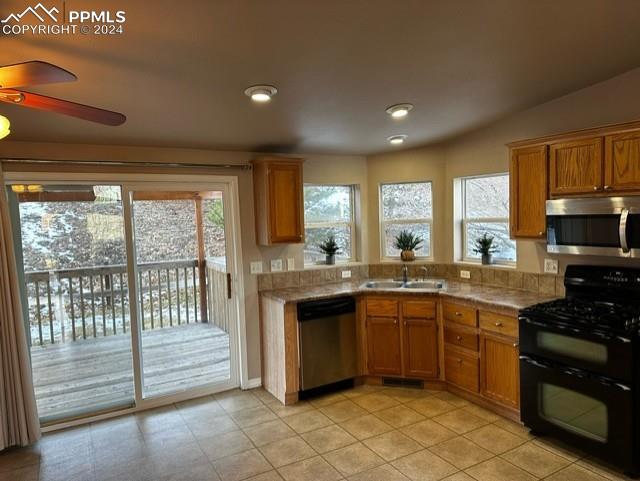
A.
pixel 346 274
pixel 291 264
pixel 276 265
pixel 550 266
pixel 465 274
pixel 256 267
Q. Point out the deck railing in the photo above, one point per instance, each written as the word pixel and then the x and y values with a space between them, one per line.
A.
pixel 72 304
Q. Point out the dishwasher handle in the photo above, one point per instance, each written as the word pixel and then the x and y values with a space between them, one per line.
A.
pixel 308 311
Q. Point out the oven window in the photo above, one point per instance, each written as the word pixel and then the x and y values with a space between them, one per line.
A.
pixel 584 230
pixel 574 411
pixel 572 347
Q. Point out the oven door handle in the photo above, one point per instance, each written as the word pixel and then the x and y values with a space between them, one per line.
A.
pixel 598 335
pixel 622 230
pixel 535 363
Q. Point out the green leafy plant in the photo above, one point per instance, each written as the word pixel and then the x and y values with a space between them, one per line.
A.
pixel 215 213
pixel 329 246
pixel 407 241
pixel 484 245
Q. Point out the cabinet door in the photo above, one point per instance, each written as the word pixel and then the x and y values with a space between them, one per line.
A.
pixel 528 185
pixel 499 369
pixel 420 348
pixel 383 339
pixel 285 203
pixel 622 162
pixel 576 167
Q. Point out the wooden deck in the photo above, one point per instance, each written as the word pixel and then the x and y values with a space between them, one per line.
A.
pixel 96 374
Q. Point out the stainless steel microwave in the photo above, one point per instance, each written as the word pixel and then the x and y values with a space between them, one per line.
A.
pixel 604 226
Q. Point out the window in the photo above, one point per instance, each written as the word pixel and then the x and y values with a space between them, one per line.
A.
pixel 485 209
pixel 329 210
pixel 405 206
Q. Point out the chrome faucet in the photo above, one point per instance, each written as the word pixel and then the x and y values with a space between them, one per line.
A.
pixel 405 273
pixel 425 269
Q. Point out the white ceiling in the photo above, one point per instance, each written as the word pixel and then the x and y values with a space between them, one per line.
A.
pixel 180 69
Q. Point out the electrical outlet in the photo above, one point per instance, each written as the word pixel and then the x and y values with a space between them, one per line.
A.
pixel 550 266
pixel 291 264
pixel 465 274
pixel 256 267
pixel 346 274
pixel 276 265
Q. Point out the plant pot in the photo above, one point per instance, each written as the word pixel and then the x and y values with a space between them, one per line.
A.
pixel 487 259
pixel 407 256
pixel 330 259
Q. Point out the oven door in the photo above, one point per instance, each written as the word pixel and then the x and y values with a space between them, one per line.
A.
pixel 605 354
pixel 607 226
pixel 593 414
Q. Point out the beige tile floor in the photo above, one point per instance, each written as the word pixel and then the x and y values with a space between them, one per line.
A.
pixel 368 433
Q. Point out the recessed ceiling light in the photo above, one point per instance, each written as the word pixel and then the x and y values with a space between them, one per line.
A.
pixel 397 139
pixel 5 127
pixel 399 111
pixel 261 93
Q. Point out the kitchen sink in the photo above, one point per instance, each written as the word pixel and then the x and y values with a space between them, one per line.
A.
pixel 426 284
pixel 384 284
pixel 430 284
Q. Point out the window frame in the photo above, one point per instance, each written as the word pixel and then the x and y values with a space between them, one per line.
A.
pixel 464 220
pixel 418 220
pixel 352 225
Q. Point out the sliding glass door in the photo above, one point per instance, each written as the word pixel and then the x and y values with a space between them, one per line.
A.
pixel 77 294
pixel 181 273
pixel 128 293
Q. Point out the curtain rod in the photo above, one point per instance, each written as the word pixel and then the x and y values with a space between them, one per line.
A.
pixel 119 163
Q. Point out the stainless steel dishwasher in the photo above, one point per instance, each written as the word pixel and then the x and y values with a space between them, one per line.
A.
pixel 327 335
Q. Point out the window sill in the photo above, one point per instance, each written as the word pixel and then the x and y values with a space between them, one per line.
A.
pixel 507 266
pixel 337 264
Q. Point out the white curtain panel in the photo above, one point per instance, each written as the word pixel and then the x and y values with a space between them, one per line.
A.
pixel 19 425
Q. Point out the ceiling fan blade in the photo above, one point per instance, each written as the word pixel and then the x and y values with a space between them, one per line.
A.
pixel 65 107
pixel 33 73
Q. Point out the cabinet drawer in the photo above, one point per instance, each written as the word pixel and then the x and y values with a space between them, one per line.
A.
pixel 462 369
pixel 419 309
pixel 499 324
pixel 460 314
pixel 382 307
pixel 461 337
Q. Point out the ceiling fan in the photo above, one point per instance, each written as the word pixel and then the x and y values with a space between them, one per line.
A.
pixel 36 73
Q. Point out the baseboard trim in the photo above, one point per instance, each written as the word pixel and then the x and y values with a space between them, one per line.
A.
pixel 253 383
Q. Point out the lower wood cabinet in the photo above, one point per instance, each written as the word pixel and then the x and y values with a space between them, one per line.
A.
pixel 461 369
pixel 402 342
pixel 420 348
pixel 499 369
pixel 383 346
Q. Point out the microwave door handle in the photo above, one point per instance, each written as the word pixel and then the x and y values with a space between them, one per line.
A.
pixel 622 230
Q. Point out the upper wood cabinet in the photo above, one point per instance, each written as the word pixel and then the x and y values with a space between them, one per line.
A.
pixel 528 185
pixel 576 167
pixel 622 162
pixel 278 193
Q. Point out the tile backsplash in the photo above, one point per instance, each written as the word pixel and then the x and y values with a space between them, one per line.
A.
pixel 544 284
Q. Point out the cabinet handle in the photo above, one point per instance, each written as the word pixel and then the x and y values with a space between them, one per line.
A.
pixel 405 323
pixel 458 313
pixel 516 344
pixel 459 361
pixel 607 187
pixel 595 187
pixel 395 322
pixel 498 324
pixel 458 338
pixel 540 233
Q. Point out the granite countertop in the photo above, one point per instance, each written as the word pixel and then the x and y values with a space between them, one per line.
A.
pixel 500 297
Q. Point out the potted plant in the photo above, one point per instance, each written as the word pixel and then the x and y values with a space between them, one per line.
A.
pixel 330 248
pixel 407 242
pixel 485 247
